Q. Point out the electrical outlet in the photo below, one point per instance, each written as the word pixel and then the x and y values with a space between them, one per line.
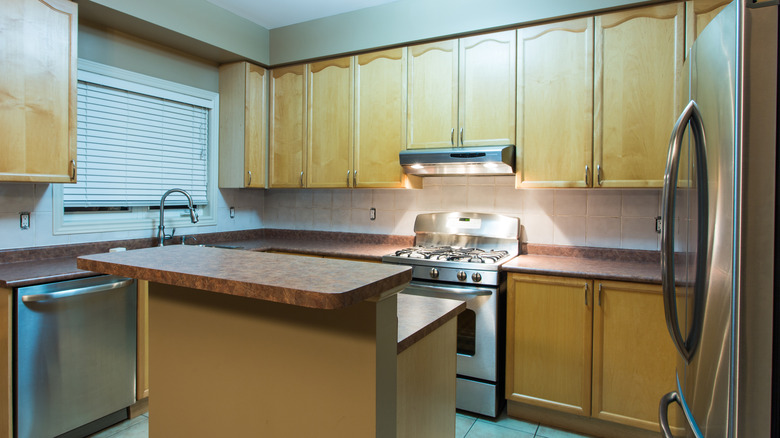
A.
pixel 372 214
pixel 658 224
pixel 232 212
pixel 24 220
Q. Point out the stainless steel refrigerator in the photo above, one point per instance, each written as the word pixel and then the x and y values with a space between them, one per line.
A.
pixel 718 229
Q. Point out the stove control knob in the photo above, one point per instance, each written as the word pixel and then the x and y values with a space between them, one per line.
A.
pixel 477 277
pixel 462 276
pixel 434 273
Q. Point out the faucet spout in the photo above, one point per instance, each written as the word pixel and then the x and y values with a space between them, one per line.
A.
pixel 161 228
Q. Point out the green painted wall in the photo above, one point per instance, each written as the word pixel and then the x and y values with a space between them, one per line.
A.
pixel 202 21
pixel 415 20
pixel 130 53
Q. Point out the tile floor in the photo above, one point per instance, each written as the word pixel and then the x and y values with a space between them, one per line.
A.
pixel 466 426
pixel 469 425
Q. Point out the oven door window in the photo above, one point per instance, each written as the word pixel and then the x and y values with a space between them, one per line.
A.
pixel 467 333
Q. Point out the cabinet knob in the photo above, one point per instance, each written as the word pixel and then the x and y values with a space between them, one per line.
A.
pixel 348 178
pixel 598 174
pixel 354 178
pixel 587 173
pixel 461 136
pixel 250 177
pixel 301 179
pixel 73 170
pixel 452 137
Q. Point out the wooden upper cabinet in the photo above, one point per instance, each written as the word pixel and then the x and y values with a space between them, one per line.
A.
pixel 486 104
pixel 38 89
pixel 329 147
pixel 634 359
pixel 242 122
pixel 461 92
pixel 555 104
pixel 548 356
pixel 698 14
pixel 638 63
pixel 286 156
pixel 380 118
pixel 433 95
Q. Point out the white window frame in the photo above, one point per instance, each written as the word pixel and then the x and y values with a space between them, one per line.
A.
pixel 140 218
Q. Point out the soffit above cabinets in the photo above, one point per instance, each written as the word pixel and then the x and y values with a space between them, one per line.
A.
pixel 273 13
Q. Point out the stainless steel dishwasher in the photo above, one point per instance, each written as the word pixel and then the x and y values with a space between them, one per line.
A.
pixel 75 356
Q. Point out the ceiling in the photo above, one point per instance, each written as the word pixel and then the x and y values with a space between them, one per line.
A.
pixel 275 13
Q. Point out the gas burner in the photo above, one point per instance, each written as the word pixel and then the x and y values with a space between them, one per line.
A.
pixel 453 254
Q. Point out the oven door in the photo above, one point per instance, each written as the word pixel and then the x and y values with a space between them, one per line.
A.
pixel 477 325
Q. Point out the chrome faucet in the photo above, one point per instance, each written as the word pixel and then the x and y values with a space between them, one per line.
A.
pixel 161 229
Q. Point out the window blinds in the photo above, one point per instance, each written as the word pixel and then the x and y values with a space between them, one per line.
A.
pixel 132 147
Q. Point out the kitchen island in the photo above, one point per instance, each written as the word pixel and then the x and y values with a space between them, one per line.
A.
pixel 248 343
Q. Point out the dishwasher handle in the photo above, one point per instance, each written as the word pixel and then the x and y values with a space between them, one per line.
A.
pixel 76 292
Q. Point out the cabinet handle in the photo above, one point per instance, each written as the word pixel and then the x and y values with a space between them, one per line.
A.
pixel 301 179
pixel 348 178
pixel 586 294
pixel 598 174
pixel 587 173
pixel 72 170
pixel 452 137
pixel 600 294
pixel 461 136
pixel 354 178
pixel 250 177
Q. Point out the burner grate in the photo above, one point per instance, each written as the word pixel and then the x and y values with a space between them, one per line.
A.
pixel 453 254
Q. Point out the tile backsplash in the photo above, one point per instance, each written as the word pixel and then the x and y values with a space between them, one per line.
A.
pixel 37 199
pixel 614 218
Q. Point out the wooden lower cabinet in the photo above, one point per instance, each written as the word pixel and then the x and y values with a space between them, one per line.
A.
pixel 594 355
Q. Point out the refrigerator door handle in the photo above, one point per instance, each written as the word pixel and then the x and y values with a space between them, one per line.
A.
pixel 689 116
pixel 663 413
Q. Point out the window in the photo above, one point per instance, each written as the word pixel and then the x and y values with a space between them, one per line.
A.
pixel 138 136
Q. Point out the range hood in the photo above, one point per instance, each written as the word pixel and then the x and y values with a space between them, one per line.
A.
pixel 483 160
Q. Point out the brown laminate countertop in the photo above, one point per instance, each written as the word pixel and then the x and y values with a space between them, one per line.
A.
pixel 319 283
pixel 31 272
pixel 598 269
pixel 20 274
pixel 419 316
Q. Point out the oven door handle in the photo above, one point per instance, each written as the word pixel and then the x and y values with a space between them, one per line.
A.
pixel 454 291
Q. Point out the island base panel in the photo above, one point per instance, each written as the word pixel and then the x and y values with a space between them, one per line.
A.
pixel 222 365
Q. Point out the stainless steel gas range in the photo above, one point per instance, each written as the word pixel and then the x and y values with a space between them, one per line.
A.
pixel 457 256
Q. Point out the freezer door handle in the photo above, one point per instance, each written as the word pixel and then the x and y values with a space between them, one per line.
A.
pixel 76 292
pixel 689 116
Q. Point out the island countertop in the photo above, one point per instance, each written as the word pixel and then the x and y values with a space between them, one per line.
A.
pixel 302 281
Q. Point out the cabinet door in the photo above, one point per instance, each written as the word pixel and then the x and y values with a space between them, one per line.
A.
pixel 634 359
pixel 548 353
pixel 288 127
pixel 38 89
pixel 380 118
pixel 242 133
pixel 329 151
pixel 638 62
pixel 555 104
pixel 433 95
pixel 486 97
